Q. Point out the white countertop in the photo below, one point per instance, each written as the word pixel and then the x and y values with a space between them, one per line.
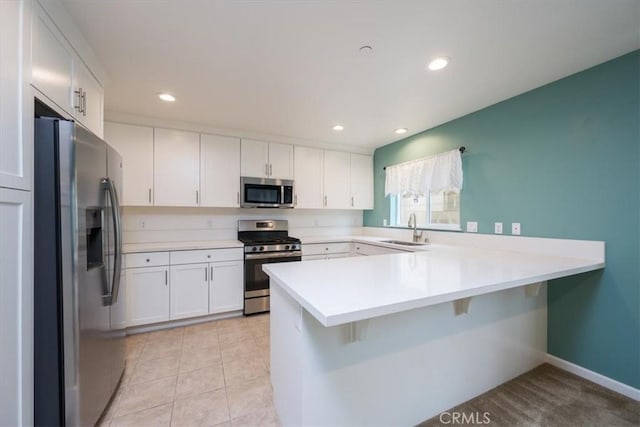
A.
pixel 378 241
pixel 339 291
pixel 180 246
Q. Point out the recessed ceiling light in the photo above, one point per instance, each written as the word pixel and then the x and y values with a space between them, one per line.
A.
pixel 400 131
pixel 338 128
pixel 438 63
pixel 166 97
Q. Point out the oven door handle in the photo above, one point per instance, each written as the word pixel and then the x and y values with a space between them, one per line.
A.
pixel 274 255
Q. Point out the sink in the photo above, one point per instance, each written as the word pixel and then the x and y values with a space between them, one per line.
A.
pixel 402 242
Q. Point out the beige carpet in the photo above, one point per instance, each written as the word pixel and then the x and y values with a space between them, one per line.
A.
pixel 545 396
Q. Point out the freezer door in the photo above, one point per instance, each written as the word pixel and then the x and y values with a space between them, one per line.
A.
pixel 90 385
pixel 114 264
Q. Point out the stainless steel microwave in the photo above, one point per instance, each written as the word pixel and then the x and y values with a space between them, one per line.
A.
pixel 266 193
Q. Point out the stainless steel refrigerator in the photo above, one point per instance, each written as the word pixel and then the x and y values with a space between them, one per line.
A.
pixel 78 316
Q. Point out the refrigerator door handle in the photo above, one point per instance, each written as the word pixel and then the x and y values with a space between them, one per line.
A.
pixel 117 238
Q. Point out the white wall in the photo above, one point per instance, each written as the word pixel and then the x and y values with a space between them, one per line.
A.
pixel 166 224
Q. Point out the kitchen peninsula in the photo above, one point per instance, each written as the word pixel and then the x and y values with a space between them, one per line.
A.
pixel 395 339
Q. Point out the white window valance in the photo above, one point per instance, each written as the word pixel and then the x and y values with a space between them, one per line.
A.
pixel 418 177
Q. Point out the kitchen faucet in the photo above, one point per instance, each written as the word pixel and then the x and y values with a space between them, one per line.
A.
pixel 413 223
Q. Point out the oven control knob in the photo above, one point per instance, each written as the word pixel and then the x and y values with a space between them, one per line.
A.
pixel 294 247
pixel 254 249
pixel 286 248
pixel 262 248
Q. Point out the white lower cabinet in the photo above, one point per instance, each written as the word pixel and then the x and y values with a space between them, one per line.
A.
pixel 325 251
pixel 147 295
pixel 363 249
pixel 16 311
pixel 189 290
pixel 226 286
pixel 163 286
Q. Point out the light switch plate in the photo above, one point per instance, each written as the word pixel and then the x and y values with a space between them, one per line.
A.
pixel 497 228
pixel 515 228
pixel 472 227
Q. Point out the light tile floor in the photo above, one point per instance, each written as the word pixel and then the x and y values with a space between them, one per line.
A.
pixel 211 374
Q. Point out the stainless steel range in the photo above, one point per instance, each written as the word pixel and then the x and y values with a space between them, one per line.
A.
pixel 265 242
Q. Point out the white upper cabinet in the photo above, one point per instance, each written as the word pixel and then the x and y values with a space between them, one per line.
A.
pixel 87 98
pixel 308 178
pixel 52 72
pixel 135 145
pixel 266 160
pixel 255 158
pixel 280 161
pixel 361 181
pixel 176 168
pixel 336 177
pixel 219 171
pixel 61 75
pixel 16 106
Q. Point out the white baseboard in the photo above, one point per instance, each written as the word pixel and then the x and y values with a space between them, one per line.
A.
pixel 599 379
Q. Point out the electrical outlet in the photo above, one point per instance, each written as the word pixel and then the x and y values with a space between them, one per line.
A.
pixel 210 223
pixel 472 227
pixel 141 223
pixel 497 228
pixel 384 222
pixel 515 228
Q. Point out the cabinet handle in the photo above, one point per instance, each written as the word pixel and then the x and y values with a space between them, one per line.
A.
pixel 206 271
pixel 166 277
pixel 211 275
pixel 295 200
pixel 351 201
pixel 266 169
pixel 84 103
pixel 270 169
pixel 325 201
pixel 197 200
pixel 78 93
pixel 149 195
pixel 238 196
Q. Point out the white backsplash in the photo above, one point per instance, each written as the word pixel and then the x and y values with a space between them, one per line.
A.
pixel 163 224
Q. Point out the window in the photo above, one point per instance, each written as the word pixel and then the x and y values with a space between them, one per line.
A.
pixel 441 209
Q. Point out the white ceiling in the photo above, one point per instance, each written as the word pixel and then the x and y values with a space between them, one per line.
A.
pixel 293 68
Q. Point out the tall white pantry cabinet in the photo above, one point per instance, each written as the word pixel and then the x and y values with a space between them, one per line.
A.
pixel 16 222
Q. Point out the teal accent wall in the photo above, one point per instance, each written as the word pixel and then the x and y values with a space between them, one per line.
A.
pixel 564 161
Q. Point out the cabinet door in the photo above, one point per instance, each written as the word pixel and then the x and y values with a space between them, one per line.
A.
pixel 336 180
pixel 147 295
pixel 87 98
pixel 308 177
pixel 219 171
pixel 189 290
pixel 176 168
pixel 16 313
pixel 16 101
pixel 226 287
pixel 135 145
pixel 52 61
pixel 280 161
pixel 254 158
pixel 361 181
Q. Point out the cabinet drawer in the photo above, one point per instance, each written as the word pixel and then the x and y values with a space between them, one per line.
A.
pixel 326 248
pixel 206 255
pixel 146 259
